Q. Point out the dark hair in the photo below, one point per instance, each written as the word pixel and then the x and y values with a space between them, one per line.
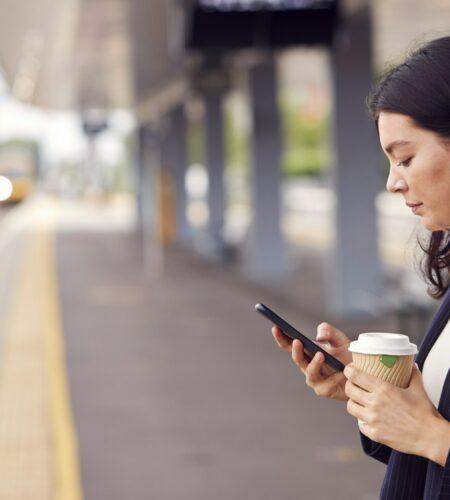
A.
pixel 420 88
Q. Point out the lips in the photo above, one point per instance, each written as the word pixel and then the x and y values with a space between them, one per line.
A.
pixel 414 208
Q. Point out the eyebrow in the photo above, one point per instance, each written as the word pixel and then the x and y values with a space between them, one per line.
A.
pixel 390 147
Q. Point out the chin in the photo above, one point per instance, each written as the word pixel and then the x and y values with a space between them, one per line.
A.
pixel 429 224
pixel 432 225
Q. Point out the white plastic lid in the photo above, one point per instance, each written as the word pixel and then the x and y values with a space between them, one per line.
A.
pixel 383 343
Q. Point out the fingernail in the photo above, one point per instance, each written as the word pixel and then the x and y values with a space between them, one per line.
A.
pixel 322 333
pixel 318 356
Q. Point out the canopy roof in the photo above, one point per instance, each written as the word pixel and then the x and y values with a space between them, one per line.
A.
pixel 66 53
pixel 116 53
pixel 232 24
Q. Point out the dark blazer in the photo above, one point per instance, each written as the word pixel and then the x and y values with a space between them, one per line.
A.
pixel 410 477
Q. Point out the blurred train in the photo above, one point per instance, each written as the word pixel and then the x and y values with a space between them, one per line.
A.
pixel 18 165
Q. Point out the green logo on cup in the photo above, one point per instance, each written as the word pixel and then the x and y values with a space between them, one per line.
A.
pixel 388 360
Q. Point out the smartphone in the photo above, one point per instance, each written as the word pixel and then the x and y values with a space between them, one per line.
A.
pixel 310 346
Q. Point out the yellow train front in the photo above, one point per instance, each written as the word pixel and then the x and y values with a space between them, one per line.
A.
pixel 15 187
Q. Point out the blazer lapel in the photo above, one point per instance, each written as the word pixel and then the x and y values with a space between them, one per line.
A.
pixel 438 322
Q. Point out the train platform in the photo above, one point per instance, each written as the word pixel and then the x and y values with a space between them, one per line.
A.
pixel 123 381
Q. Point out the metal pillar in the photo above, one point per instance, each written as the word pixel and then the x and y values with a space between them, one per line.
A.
pixel 151 157
pixel 265 255
pixel 355 279
pixel 179 165
pixel 215 163
pixel 138 177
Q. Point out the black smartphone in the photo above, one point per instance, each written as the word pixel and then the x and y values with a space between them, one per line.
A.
pixel 310 346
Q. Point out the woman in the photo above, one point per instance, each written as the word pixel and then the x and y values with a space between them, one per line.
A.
pixel 407 429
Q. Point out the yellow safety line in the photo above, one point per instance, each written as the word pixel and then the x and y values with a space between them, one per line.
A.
pixel 25 448
pixel 67 475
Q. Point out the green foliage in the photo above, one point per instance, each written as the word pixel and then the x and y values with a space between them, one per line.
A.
pixel 236 147
pixel 305 142
pixel 304 161
pixel 195 143
pixel 121 178
pixel 27 144
pixel 236 144
pixel 27 149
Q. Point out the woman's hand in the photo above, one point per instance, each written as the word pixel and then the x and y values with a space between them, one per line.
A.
pixel 319 376
pixel 403 419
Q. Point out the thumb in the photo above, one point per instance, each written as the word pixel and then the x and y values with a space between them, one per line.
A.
pixel 328 333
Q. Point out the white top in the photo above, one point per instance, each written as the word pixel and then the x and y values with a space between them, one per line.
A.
pixel 436 366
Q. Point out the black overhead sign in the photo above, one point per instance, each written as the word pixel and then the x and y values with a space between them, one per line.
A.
pixel 233 24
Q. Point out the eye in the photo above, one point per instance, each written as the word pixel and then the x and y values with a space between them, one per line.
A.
pixel 404 163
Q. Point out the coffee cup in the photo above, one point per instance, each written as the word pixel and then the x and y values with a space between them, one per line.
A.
pixel 387 356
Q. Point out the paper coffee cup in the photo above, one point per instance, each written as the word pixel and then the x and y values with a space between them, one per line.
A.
pixel 387 356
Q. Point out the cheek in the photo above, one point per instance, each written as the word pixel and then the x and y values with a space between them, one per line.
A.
pixel 431 183
pixel 431 186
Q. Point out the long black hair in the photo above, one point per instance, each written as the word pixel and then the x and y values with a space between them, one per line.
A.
pixel 420 88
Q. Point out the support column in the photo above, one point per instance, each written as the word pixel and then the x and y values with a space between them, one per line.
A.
pixel 265 256
pixel 215 163
pixel 354 279
pixel 151 155
pixel 178 128
pixel 138 177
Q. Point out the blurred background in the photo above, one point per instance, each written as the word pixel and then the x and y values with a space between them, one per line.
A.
pixel 165 165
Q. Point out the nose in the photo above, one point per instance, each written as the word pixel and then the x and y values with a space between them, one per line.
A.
pixel 395 183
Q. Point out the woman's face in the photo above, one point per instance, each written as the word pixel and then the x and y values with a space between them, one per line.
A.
pixel 419 168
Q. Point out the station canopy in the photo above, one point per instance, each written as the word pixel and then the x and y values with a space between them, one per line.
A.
pixel 234 24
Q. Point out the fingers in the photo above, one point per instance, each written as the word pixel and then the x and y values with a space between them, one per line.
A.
pixel 312 372
pixel 298 355
pixel 358 395
pixel 324 382
pixel 282 340
pixel 334 337
pixel 329 387
pixel 294 347
pixel 365 381
pixel 356 410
